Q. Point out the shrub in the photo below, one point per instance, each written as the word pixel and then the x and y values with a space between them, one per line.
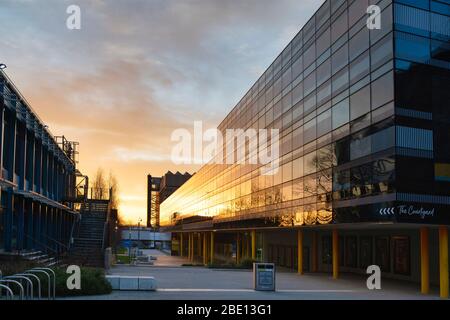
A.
pixel 93 282
pixel 247 263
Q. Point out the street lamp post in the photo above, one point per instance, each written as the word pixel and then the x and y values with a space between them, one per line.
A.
pixel 2 66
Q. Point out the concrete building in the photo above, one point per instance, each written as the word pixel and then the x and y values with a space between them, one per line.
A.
pixel 158 190
pixel 37 179
pixel 364 179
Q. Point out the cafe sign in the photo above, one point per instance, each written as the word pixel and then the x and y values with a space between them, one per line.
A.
pixel 408 210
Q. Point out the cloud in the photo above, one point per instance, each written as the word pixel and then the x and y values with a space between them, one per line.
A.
pixel 139 69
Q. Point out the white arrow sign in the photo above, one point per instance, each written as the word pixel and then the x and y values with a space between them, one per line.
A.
pixel 387 211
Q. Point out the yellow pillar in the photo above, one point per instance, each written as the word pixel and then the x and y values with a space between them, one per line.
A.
pixel 443 261
pixel 212 247
pixel 238 250
pixel 424 261
pixel 314 264
pixel 335 254
pixel 181 244
pixel 253 244
pixel 205 258
pixel 300 251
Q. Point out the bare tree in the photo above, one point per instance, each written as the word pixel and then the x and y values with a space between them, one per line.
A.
pixel 99 186
pixel 114 187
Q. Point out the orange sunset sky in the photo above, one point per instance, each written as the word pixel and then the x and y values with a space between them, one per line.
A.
pixel 137 70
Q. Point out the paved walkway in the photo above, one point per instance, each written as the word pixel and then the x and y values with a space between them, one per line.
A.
pixel 199 283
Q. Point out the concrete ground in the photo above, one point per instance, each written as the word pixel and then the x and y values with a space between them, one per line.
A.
pixel 199 283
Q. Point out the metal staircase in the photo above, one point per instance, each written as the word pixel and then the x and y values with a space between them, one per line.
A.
pixel 89 240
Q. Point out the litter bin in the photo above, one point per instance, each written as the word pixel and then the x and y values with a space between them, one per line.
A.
pixel 264 276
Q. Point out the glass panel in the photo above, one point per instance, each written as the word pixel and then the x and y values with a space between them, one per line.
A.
pixel 360 103
pixel 341 113
pixel 383 90
pixel 359 43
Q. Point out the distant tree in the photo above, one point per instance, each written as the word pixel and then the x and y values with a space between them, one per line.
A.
pixel 99 185
pixel 113 185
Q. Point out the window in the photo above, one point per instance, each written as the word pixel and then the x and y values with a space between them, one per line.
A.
pixel 298 168
pixel 310 163
pixel 360 147
pixel 383 139
pixel 339 27
pixel 413 48
pixel 359 43
pixel 357 10
pixel 382 52
pixel 340 114
pixel 297 93
pixel 339 59
pixel 402 255
pixel 360 103
pixel 310 103
pixel 309 133
pixel 324 123
pixel 324 93
pixel 383 90
pixel 323 42
pixel 310 55
pixel 297 138
pixel 340 81
pixel 323 72
pixel 297 67
pixel 359 68
pixel 287 172
pixel 310 83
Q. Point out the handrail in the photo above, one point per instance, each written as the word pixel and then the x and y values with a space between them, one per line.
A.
pixel 49 293
pixel 11 294
pixel 22 291
pixel 54 279
pixel 25 278
pixel 38 281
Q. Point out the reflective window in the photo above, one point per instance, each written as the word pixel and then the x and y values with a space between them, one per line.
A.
pixel 310 163
pixel 324 93
pixel 324 123
pixel 383 90
pixel 339 59
pixel 410 47
pixel 298 168
pixel 309 133
pixel 340 113
pixel 323 72
pixel 310 103
pixel 360 147
pixel 382 52
pixel 339 27
pixel 323 42
pixel 297 137
pixel 310 55
pixel 297 93
pixel 357 10
pixel 360 103
pixel 359 43
pixel 310 83
pixel 360 68
pixel 340 81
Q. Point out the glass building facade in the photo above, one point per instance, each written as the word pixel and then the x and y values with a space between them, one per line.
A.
pixel 358 111
pixel 364 142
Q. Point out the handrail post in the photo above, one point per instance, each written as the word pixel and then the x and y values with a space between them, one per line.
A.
pixel 28 282
pixel 9 291
pixel 22 291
